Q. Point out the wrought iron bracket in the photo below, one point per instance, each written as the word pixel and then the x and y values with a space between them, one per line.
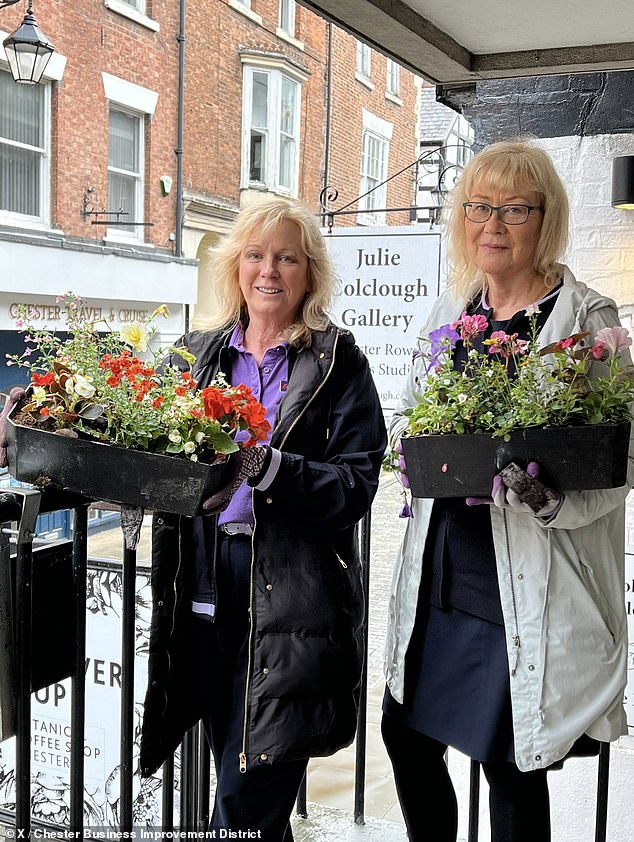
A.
pixel 111 217
pixel 431 159
pixel 4 3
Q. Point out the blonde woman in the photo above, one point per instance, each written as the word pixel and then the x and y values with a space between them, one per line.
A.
pixel 507 635
pixel 258 607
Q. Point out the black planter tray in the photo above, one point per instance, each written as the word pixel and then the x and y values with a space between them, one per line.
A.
pixel 100 471
pixel 570 458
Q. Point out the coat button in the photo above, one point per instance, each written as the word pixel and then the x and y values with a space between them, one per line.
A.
pixel 160 603
pixel 266 670
pixel 531 667
pixel 269 587
pixel 520 576
pixel 322 355
pixel 269 500
pixel 160 520
pixel 538 757
pixel 264 757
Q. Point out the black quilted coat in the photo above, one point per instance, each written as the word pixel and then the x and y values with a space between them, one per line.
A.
pixel 307 601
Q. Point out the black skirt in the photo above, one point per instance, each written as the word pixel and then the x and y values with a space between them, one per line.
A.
pixel 457 684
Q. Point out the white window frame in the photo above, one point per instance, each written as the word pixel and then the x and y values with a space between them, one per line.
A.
pixel 134 10
pixel 116 232
pixel 393 81
pixel 276 69
pixel 43 219
pixel 286 17
pixel 139 102
pixel 380 131
pixel 244 8
pixel 363 70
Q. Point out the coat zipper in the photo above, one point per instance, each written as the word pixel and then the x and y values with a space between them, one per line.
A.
pixel 243 753
pixel 515 636
pixel 314 395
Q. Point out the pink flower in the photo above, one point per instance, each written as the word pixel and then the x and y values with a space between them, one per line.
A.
pixel 566 343
pixel 470 326
pixel 599 351
pixel 615 339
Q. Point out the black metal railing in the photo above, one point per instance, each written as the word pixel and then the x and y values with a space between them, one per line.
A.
pixel 19 509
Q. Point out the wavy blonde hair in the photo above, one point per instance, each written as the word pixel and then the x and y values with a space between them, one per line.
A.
pixel 264 217
pixel 508 167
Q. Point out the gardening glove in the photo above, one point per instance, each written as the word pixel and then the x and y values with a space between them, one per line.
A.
pixel 521 492
pixel 248 463
pixel 15 395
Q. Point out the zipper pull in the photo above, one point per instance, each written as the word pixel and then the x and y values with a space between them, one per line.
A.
pixel 243 763
pixel 516 653
pixel 342 563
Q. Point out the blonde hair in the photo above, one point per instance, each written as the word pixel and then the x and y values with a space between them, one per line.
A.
pixel 509 167
pixel 265 217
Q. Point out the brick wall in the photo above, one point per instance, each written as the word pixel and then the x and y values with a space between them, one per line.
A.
pixel 350 97
pixel 213 93
pixel 97 40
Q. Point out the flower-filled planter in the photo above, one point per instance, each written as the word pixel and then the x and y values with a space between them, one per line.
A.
pixel 570 458
pixel 102 471
pixel 566 406
pixel 107 419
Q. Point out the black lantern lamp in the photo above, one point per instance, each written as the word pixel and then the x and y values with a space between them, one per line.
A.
pixel 27 50
pixel 623 182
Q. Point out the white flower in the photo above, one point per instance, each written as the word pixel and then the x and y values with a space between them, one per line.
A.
pixel 69 385
pixel 175 436
pixel 532 310
pixel 135 335
pixel 200 437
pixel 194 458
pixel 189 446
pixel 83 386
pixel 462 398
pixel 39 394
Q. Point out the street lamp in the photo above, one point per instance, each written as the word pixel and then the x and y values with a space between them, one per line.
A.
pixel 27 50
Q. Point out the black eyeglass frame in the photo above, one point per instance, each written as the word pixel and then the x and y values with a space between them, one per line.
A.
pixel 529 209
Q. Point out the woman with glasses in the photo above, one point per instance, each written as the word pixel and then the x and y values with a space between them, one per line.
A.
pixel 507 635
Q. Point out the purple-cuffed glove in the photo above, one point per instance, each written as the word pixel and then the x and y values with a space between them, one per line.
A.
pixel 16 394
pixel 505 497
pixel 246 463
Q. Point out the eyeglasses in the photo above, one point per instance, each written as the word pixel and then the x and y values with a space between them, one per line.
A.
pixel 508 214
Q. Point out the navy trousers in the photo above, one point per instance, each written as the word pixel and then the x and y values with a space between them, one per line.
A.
pixel 262 798
pixel 518 801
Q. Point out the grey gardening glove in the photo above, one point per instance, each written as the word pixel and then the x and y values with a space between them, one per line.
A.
pixel 245 464
pixel 521 492
pixel 16 394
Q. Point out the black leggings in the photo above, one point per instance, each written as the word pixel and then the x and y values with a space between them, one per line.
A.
pixel 518 801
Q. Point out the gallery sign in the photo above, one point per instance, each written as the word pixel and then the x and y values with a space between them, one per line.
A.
pixel 388 280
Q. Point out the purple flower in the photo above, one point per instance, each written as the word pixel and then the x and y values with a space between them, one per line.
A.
pixel 406 511
pixel 441 340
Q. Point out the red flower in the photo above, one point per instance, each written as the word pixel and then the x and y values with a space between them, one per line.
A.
pixel 43 379
pixel 157 402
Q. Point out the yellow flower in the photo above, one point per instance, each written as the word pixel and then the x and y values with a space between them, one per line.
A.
pixel 135 335
pixel 161 310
